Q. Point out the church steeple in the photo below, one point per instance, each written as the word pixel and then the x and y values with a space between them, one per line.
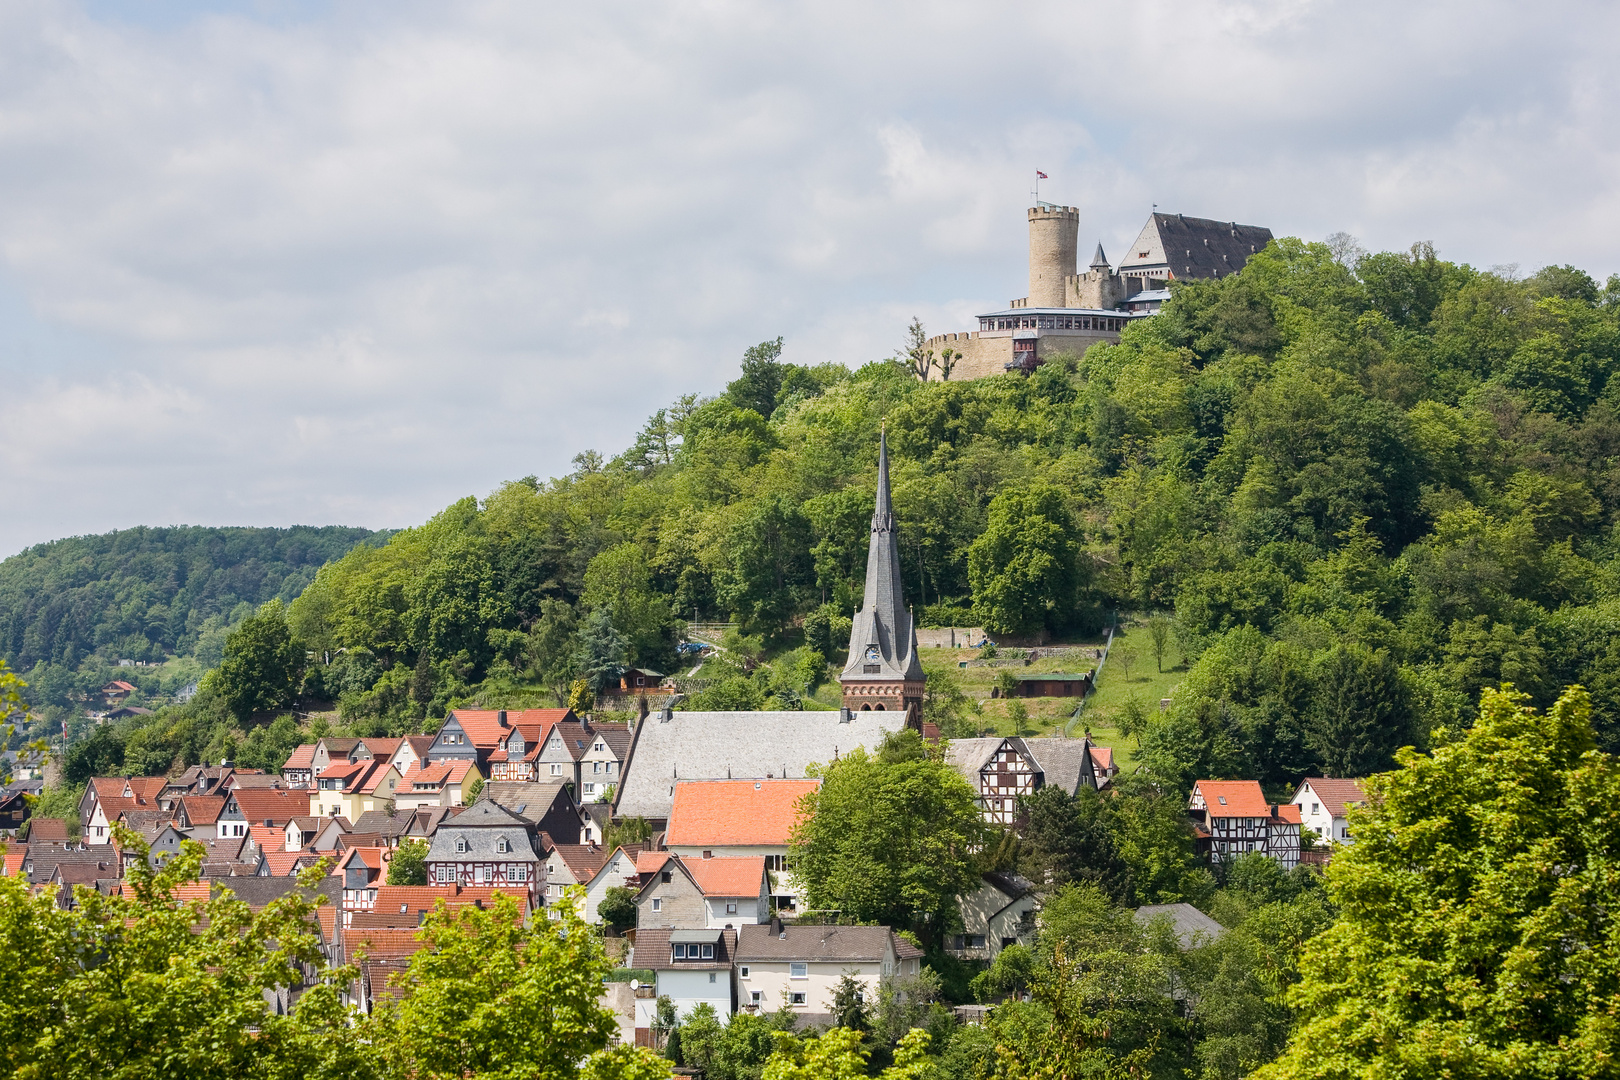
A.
pixel 883 671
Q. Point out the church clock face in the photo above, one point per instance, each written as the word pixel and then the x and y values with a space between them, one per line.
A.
pixel 872 653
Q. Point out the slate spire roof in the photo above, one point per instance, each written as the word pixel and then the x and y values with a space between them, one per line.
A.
pixel 883 621
pixel 1099 261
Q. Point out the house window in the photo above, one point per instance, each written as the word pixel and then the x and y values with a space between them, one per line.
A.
pixel 461 845
pixel 708 952
pixel 596 766
pixel 502 846
pixel 680 952
pixel 658 903
pixel 798 971
pixel 797 997
pixel 711 976
pixel 731 909
pixel 520 873
pixel 489 873
pixel 599 747
pixel 664 877
pixel 755 996
pixel 590 789
pixel 742 972
pixel 1316 808
pixel 556 769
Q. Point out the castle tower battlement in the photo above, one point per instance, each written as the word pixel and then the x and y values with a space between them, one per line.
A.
pixel 1054 240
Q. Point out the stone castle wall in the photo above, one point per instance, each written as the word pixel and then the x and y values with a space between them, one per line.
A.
pixel 980 356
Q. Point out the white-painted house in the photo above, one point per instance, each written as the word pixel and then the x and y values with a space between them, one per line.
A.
pixel 1324 806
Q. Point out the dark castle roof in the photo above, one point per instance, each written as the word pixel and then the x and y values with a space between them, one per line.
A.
pixel 1188 247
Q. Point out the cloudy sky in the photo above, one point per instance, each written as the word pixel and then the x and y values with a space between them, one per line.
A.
pixel 292 261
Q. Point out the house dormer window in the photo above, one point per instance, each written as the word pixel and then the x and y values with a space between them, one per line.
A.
pixel 461 845
pixel 502 846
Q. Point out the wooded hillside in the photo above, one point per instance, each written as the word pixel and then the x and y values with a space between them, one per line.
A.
pixel 1367 487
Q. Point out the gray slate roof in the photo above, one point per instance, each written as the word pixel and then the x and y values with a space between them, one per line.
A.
pixel 1194 247
pixel 1061 761
pixel 741 745
pixel 483 825
pixel 883 619
pixel 526 800
pixel 1191 926
pixel 832 944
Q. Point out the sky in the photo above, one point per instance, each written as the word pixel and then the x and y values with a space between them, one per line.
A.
pixel 274 262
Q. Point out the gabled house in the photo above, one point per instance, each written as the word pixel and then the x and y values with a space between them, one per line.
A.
pixel 116 691
pixel 478 733
pixel 331 833
pixel 547 806
pixel 692 967
pixel 330 750
pixel 105 798
pixel 247 807
pixel 436 783
pixel 1232 818
pixel 363 870
pixel 602 762
pixel 730 818
pixel 560 754
pixel 514 756
pixel 350 788
pixel 570 865
pixel 1000 913
pixel 300 832
pixel 1324 806
pixel 198 815
pixel 801 966
pixel 412 752
pixel 14 808
pixel 487 845
pixel 713 892
pixel 1003 770
pixel 618 871
pixel 298 771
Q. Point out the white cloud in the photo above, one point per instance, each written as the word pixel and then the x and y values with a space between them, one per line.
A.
pixel 348 262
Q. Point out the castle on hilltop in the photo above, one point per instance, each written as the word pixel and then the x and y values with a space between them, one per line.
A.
pixel 1067 311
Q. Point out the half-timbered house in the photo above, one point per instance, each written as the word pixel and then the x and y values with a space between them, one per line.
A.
pixel 1232 818
pixel 485 845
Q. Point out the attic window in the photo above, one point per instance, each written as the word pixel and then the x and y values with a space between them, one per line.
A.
pixel 502 846
pixel 1221 799
pixel 461 845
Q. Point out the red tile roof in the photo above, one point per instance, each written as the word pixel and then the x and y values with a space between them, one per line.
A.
pixel 727 877
pixel 720 813
pixel 269 837
pixel 203 809
pixel 46 830
pixel 15 854
pixel 484 729
pixel 1288 812
pixel 408 901
pixel 650 862
pixel 436 774
pixel 274 805
pixel 1337 795
pixel 1102 757
pixel 301 758
pixel 1233 798
pixel 287 863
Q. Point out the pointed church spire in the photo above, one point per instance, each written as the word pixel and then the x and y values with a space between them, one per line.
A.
pixel 1099 261
pixel 883 639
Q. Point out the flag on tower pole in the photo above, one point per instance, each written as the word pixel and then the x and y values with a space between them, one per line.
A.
pixel 1039 176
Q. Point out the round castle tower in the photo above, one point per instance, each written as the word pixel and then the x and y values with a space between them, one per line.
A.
pixel 1054 236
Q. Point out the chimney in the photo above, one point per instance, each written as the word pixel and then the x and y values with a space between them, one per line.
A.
pixel 666 715
pixel 776 925
pixel 500 717
pixel 845 715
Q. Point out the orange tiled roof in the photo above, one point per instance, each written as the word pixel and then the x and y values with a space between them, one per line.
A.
pixel 1234 798
pixel 720 813
pixel 15 854
pixel 301 758
pixel 483 726
pixel 203 809
pixel 287 863
pixel 268 837
pixel 1102 757
pixel 727 877
pixel 650 862
pixel 1288 812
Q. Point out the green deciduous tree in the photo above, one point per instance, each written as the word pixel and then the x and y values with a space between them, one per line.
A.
pixel 409 864
pixel 1024 567
pixel 1469 939
pixel 618 907
pixel 888 843
pixel 492 997
pixel 263 665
